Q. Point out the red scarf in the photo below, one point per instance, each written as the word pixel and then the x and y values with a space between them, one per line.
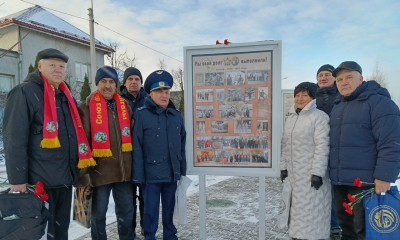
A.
pixel 99 125
pixel 50 124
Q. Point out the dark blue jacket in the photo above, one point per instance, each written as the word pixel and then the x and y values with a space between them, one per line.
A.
pixel 326 97
pixel 133 102
pixel 365 136
pixel 159 139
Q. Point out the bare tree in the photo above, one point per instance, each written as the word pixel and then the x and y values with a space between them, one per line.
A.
pixel 74 86
pixel 119 59
pixel 130 62
pixel 378 75
pixel 161 64
pixel 179 87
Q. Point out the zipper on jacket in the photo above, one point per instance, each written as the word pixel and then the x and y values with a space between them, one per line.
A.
pixel 340 137
pixel 121 160
pixel 291 142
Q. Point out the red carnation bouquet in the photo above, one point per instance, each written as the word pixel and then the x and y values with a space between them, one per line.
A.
pixel 356 198
pixel 38 190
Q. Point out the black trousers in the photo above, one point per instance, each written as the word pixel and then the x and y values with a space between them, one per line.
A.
pixel 60 210
pixel 353 226
pixel 141 205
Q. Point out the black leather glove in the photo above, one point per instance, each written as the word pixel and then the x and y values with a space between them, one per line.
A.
pixel 316 182
pixel 284 174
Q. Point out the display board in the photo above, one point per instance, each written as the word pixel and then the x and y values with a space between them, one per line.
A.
pixel 232 100
pixel 287 103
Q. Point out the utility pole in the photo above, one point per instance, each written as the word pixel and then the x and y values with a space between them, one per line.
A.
pixel 92 48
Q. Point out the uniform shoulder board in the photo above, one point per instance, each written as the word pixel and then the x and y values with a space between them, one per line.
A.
pixel 141 108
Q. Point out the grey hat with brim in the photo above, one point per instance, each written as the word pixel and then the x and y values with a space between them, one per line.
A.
pixel 52 53
pixel 347 65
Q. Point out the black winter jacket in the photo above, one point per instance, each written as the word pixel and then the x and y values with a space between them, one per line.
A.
pixel 133 102
pixel 26 161
pixel 326 97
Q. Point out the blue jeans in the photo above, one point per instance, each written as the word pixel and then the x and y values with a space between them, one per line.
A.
pixel 151 196
pixel 123 198
pixel 334 221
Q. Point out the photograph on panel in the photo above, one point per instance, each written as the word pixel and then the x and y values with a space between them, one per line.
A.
pixel 257 77
pixel 217 142
pixel 230 142
pixel 200 127
pixel 214 79
pixel 204 111
pixel 263 110
pixel 199 80
pixel 204 95
pixel 227 111
pixel 247 110
pixel 219 126
pixel 205 156
pixel 250 142
pixel 262 125
pixel 259 156
pixel 242 126
pixel 235 78
pixel 262 93
pixel 262 142
pixel 223 156
pixel 234 95
pixel 242 156
pixel 203 142
pixel 249 94
pixel 219 95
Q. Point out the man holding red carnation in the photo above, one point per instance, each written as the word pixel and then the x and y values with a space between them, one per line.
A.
pixel 364 145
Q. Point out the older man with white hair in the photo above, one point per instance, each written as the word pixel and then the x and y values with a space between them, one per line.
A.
pixel 364 143
pixel 42 134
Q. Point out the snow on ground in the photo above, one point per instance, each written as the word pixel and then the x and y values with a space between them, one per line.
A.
pixel 2 162
pixel 76 230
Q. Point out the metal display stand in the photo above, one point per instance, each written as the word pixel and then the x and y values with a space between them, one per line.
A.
pixel 233 115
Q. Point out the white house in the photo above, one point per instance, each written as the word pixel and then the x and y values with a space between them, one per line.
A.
pixel 25 33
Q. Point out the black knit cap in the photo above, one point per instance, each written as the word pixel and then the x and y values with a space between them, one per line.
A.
pixel 326 67
pixel 310 87
pixel 132 71
pixel 348 65
pixel 52 53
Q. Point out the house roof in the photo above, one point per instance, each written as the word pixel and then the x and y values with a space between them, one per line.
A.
pixel 39 19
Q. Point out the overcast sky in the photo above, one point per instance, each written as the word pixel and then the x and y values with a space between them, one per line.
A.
pixel 313 33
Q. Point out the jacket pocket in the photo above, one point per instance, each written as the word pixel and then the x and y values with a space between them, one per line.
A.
pixel 155 160
pixel 36 129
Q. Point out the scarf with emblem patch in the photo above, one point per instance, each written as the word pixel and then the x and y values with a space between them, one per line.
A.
pixel 99 125
pixel 50 127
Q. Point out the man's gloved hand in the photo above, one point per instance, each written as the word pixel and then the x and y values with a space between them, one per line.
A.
pixel 284 174
pixel 316 182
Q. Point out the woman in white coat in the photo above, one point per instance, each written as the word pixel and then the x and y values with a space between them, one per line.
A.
pixel 304 161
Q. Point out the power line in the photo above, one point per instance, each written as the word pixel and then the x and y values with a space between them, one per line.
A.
pixel 109 30
pixel 138 42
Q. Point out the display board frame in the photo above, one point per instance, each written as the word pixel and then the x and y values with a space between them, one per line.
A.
pixel 244 61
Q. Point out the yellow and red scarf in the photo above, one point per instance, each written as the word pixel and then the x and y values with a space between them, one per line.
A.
pixel 99 125
pixel 50 127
